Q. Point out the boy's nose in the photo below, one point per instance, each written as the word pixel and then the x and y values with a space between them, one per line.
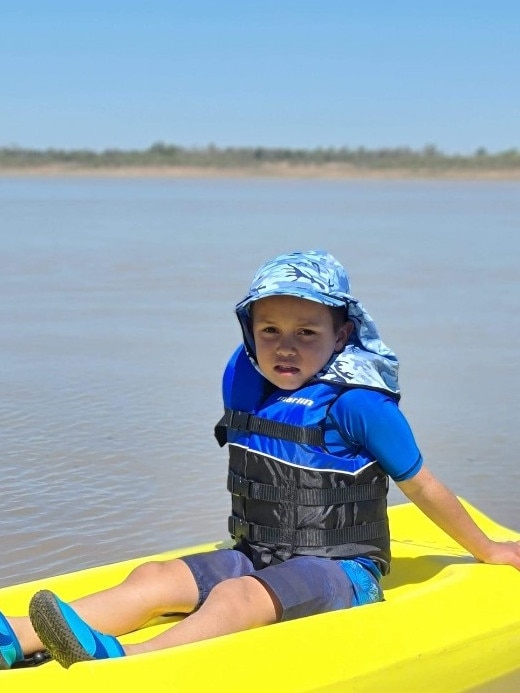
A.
pixel 285 347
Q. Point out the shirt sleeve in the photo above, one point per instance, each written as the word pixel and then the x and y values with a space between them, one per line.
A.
pixel 373 421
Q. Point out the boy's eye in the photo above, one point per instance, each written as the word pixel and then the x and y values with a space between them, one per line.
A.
pixel 302 332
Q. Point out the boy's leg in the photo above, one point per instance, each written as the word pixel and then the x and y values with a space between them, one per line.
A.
pixel 150 590
pixel 233 605
pixel 228 607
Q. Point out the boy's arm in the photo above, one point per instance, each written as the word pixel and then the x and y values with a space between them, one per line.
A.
pixel 444 508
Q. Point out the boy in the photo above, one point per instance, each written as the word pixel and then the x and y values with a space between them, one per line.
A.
pixel 314 433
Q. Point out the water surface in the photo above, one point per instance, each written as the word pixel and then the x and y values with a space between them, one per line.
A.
pixel 116 313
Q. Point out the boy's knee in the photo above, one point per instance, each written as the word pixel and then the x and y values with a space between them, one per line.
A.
pixel 232 588
pixel 248 594
pixel 152 572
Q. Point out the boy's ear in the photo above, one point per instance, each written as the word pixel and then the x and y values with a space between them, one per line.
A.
pixel 343 335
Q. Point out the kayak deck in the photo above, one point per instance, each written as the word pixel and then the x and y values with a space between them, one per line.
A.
pixel 449 624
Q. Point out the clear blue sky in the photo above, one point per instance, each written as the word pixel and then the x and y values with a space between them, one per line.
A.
pixel 291 73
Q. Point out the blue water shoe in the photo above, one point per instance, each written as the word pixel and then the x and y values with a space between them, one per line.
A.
pixel 10 649
pixel 67 637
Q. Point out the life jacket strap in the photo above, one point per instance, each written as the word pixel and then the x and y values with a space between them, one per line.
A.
pixel 243 421
pixel 254 490
pixel 305 538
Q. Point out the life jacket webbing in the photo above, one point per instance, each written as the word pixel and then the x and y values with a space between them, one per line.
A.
pixel 254 490
pixel 307 538
pixel 242 421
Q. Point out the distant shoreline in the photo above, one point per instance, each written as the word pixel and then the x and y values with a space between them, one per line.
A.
pixel 278 170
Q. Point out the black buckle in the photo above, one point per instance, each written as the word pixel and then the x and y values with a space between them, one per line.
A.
pixel 239 486
pixel 238 528
pixel 239 420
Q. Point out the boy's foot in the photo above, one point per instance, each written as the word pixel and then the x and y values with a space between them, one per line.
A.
pixel 10 650
pixel 67 637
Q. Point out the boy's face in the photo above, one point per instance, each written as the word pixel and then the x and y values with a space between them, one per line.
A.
pixel 294 339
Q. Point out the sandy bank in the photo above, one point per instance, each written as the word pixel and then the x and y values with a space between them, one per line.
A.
pixel 284 171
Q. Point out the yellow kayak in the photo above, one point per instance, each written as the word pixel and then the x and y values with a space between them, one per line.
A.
pixel 448 624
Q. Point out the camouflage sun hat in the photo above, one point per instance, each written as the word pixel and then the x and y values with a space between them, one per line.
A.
pixel 317 276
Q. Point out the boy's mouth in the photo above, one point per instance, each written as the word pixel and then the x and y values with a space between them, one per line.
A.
pixel 286 369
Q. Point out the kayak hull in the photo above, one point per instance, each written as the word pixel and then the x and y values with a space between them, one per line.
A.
pixel 448 624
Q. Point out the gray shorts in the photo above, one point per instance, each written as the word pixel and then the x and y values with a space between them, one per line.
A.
pixel 304 585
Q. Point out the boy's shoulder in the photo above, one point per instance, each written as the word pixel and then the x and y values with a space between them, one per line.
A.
pixel 365 397
pixel 365 406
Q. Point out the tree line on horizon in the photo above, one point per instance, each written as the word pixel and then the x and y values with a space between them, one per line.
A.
pixel 165 155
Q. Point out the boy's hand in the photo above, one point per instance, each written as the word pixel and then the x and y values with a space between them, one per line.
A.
pixel 504 553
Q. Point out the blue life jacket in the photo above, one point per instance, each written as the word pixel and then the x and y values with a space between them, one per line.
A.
pixel 290 495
